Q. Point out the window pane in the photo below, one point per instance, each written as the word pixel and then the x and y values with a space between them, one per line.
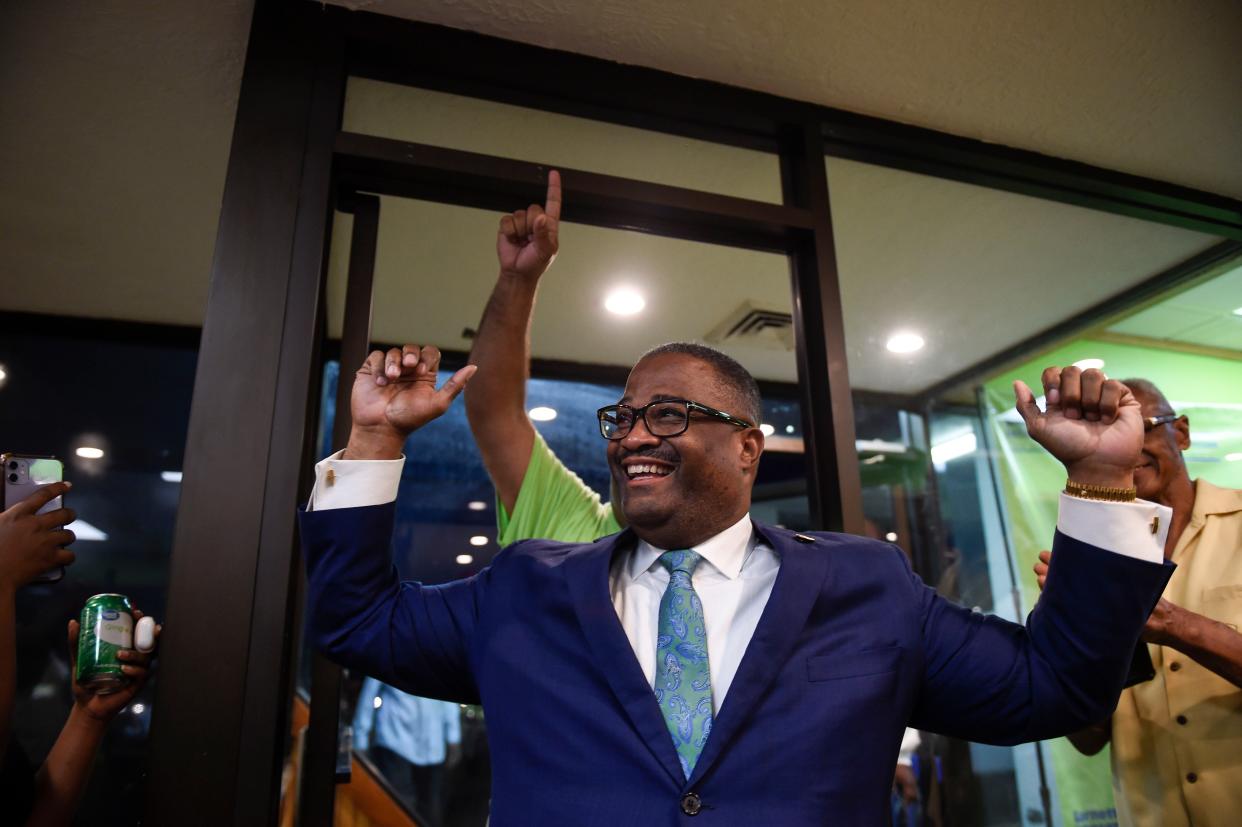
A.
pixel 967 273
pixel 408 113
pixel 130 401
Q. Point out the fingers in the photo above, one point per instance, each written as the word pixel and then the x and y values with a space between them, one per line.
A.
pixel 508 227
pixel 428 361
pixel 1092 385
pixel 392 363
pixel 1025 404
pixel 1071 392
pixel 449 390
pixel 56 519
pixel 1045 557
pixel 64 557
pixel 41 497
pixel 1110 400
pixel 520 229
pixel 374 366
pixel 1051 380
pixel 552 203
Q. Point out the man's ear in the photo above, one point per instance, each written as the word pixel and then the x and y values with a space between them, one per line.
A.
pixel 752 448
pixel 1181 426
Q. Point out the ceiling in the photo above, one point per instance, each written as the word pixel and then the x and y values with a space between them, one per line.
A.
pixel 972 270
pixel 1142 86
pixel 1208 315
pixel 117 118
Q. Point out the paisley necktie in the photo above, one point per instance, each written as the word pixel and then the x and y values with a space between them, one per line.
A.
pixel 683 685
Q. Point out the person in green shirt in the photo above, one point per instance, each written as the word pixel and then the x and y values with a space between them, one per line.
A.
pixel 536 495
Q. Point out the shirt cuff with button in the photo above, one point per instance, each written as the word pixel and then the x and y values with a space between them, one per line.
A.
pixel 1136 529
pixel 354 483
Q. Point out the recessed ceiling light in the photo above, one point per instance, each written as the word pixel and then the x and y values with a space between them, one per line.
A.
pixel 478 540
pixel 767 429
pixel 891 536
pixel 465 559
pixel 476 505
pixel 543 414
pixel 624 301
pixel 86 452
pixel 905 342
pixel 1238 312
pixel 170 476
pixel 3 374
pixel 1088 364
pixel 789 429
pixel 1233 457
pixel 137 709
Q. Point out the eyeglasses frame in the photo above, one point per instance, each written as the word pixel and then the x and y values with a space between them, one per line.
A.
pixel 691 405
pixel 1150 423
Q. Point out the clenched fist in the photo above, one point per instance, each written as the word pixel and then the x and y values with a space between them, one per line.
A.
pixel 1091 423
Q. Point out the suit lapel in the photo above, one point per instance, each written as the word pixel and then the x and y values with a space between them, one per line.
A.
pixel 798 583
pixel 586 573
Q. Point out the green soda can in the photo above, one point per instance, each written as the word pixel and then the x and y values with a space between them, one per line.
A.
pixel 107 628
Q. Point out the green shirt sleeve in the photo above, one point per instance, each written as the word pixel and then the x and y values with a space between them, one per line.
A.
pixel 554 504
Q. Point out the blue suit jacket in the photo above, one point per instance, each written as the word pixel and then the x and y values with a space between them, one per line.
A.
pixel 851 647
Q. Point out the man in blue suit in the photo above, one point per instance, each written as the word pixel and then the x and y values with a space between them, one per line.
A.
pixel 702 666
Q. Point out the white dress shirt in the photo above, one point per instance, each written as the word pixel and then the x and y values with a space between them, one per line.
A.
pixel 738 570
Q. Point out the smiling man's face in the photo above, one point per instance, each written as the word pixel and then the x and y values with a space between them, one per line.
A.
pixel 1161 462
pixel 678 491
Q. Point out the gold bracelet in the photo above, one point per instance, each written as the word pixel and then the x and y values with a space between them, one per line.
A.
pixel 1105 493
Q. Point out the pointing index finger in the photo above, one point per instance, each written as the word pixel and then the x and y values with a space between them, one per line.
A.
pixel 553 205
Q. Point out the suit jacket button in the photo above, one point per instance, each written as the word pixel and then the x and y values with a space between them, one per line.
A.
pixel 691 804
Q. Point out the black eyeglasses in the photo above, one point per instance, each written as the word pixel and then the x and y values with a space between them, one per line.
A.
pixel 663 418
pixel 1150 423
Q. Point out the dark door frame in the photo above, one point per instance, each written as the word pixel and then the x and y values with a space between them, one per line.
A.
pixel 221 722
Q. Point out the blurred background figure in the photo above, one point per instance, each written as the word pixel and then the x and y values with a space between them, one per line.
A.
pixel 411 740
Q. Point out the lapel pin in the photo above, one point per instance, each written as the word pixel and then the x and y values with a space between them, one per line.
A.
pixel 802 538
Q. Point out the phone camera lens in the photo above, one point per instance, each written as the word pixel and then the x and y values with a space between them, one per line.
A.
pixel 12 477
pixel 13 465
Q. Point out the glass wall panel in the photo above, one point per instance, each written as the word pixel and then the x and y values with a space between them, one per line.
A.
pixel 936 277
pixel 116 413
pixel 408 113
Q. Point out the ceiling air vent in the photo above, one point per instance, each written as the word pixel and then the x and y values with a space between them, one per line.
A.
pixel 756 326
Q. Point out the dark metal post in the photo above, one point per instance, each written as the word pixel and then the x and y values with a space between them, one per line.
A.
pixel 221 719
pixel 318 787
pixel 834 484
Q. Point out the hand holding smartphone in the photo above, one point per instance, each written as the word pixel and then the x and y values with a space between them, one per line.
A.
pixel 24 475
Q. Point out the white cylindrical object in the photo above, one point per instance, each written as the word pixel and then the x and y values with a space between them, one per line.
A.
pixel 144 634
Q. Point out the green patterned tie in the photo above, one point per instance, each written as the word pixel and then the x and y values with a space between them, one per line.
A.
pixel 683 683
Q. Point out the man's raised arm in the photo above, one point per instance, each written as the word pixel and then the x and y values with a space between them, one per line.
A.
pixel 496 402
pixel 992 681
pixel 410 636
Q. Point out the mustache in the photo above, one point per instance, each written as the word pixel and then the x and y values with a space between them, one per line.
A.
pixel 663 453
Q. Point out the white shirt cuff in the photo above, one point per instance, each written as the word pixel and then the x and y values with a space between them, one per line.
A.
pixel 1137 529
pixel 354 483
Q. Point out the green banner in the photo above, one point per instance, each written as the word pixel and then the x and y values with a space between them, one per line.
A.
pixel 1206 389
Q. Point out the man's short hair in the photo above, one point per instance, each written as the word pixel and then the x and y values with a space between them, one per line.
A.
pixel 737 378
pixel 1147 388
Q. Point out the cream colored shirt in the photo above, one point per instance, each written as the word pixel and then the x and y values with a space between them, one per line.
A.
pixel 1177 739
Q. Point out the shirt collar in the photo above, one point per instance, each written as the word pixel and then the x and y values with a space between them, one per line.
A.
pixel 727 551
pixel 1212 499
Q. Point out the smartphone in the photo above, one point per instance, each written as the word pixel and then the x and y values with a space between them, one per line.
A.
pixel 23 475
